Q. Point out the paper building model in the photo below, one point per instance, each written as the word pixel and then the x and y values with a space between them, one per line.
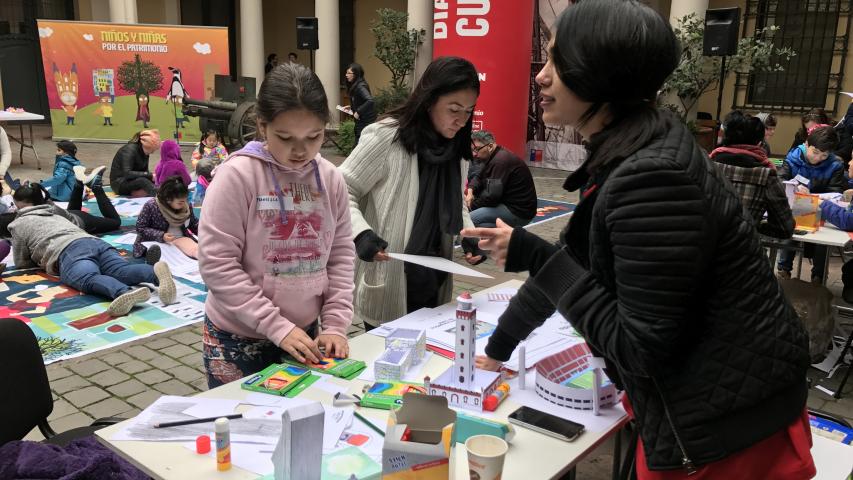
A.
pixel 408 339
pixel 299 453
pixel 463 385
pixel 572 378
pixel 392 364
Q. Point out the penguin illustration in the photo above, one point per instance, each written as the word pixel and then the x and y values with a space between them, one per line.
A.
pixel 177 94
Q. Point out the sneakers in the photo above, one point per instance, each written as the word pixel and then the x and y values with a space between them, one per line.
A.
pixel 152 255
pixel 121 306
pixel 94 178
pixel 168 291
pixel 80 173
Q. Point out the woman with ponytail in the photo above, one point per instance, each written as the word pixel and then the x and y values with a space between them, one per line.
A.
pixel 660 269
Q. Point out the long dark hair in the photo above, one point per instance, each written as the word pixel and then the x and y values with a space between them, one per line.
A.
pixel 444 75
pixel 32 193
pixel 172 188
pixel 817 115
pixel 290 87
pixel 742 129
pixel 358 76
pixel 616 55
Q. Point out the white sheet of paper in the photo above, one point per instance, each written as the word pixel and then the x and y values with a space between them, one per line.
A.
pixel 254 457
pixel 130 207
pixel 372 447
pixel 9 260
pixel 439 263
pixel 127 238
pixel 169 408
pixel 62 205
pixel 212 407
pixel 335 420
pixel 833 460
pixel 267 400
pixel 849 94
pixel 801 180
pixel 180 264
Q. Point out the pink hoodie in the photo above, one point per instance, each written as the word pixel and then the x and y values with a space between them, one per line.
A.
pixel 267 272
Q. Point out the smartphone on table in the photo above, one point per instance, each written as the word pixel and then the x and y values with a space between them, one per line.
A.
pixel 546 423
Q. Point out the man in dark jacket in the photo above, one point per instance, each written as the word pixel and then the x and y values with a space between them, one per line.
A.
pixel 503 188
pixel 129 173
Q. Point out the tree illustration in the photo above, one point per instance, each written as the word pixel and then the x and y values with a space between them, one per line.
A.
pixel 139 77
pixel 55 347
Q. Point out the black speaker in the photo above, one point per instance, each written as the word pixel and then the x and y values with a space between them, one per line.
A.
pixel 306 33
pixel 721 29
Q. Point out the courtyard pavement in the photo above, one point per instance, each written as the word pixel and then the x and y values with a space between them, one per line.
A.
pixel 123 380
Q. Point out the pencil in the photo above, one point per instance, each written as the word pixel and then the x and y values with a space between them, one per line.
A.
pixel 368 423
pixel 196 420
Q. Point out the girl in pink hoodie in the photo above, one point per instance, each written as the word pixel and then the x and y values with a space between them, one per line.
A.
pixel 276 248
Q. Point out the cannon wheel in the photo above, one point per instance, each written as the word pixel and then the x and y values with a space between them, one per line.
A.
pixel 241 127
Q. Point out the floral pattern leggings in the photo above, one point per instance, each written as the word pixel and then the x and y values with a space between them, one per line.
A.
pixel 229 357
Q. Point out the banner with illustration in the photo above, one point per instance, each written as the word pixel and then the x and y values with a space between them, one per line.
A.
pixel 107 81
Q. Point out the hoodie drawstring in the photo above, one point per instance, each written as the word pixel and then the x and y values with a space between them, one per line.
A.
pixel 279 194
pixel 317 175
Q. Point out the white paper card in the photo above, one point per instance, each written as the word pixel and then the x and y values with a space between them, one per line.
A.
pixel 439 263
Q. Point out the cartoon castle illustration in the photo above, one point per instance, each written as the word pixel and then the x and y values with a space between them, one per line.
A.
pixel 464 385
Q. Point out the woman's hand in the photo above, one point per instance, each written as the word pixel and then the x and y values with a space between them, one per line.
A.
pixel 168 238
pixel 803 189
pixel 485 363
pixel 301 347
pixel 494 240
pixel 334 345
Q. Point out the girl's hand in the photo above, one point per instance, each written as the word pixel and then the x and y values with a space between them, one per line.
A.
pixel 301 347
pixel 485 363
pixel 168 238
pixel 495 240
pixel 334 345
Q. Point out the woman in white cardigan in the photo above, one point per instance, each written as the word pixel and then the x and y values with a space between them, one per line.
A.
pixel 405 181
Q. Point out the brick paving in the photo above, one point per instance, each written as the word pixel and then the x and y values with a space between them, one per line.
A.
pixel 123 380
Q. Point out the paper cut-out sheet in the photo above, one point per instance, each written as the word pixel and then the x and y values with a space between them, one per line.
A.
pixel 439 263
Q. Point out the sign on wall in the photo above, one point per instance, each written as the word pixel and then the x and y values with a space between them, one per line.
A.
pixel 497 40
pixel 107 81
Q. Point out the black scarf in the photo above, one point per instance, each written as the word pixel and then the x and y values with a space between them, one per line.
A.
pixel 439 196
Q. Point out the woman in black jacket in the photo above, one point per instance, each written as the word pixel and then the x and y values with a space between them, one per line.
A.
pixel 662 272
pixel 361 101
pixel 129 173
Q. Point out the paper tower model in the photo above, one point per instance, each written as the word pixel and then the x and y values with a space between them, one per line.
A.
pixel 464 385
pixel 299 452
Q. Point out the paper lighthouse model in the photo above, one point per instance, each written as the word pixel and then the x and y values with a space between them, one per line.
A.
pixel 464 385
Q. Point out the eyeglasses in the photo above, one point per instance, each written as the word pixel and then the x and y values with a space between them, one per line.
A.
pixel 477 149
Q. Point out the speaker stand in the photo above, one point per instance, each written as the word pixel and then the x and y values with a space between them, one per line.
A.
pixel 311 56
pixel 720 99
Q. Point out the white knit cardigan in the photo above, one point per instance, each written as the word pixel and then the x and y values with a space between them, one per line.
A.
pixel 382 179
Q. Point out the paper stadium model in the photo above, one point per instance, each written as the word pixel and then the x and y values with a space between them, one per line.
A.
pixel 463 385
pixel 571 379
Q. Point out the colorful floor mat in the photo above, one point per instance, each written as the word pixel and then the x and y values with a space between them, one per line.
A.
pixel 547 210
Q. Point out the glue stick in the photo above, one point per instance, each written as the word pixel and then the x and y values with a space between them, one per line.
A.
pixel 223 444
pixel 492 401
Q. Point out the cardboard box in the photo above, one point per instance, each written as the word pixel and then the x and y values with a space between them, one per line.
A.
pixel 426 454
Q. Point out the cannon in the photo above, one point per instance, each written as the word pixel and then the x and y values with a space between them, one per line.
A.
pixel 234 121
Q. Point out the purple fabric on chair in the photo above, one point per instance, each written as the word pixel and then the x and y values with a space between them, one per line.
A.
pixel 82 459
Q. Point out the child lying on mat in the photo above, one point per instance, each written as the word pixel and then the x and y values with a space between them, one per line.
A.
pixel 167 218
pixel 46 236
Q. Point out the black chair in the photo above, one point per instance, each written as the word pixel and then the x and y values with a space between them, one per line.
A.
pixel 25 398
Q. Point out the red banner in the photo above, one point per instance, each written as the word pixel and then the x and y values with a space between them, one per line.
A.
pixel 497 39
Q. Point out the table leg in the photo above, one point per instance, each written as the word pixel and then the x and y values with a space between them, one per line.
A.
pixel 33 147
pixel 844 351
pixel 825 267
pixel 21 133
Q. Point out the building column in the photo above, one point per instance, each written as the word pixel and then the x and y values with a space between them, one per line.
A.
pixel 100 10
pixel 252 40
pixel 328 56
pixel 172 12
pixel 682 8
pixel 117 14
pixel 130 11
pixel 420 18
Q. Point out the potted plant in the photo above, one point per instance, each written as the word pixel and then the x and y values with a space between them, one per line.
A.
pixel 697 74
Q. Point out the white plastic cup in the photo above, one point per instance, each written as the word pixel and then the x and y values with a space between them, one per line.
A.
pixel 486 455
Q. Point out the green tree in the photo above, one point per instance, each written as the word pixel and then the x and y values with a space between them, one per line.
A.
pixel 139 77
pixel 697 74
pixel 395 45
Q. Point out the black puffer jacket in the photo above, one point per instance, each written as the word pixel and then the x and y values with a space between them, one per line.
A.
pixel 130 162
pixel 663 274
pixel 362 102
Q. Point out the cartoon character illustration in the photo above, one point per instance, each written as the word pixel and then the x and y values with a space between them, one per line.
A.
pixel 66 88
pixel 105 108
pixel 177 94
pixel 143 113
